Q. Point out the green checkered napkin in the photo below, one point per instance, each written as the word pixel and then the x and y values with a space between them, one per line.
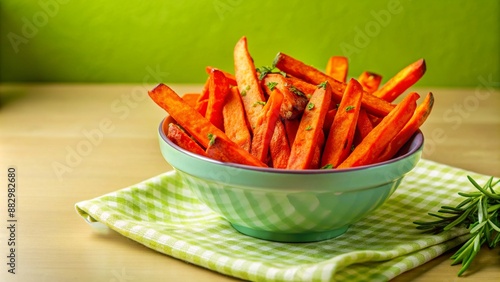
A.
pixel 165 216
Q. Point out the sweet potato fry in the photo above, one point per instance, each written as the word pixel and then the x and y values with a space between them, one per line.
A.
pixel 230 77
pixel 310 129
pixel 235 124
pixel 293 102
pixel 199 127
pixel 248 83
pixel 330 116
pixel 279 146
pixel 288 64
pixel 363 127
pixel 187 117
pixel 370 81
pixel 302 88
pixel 316 159
pixel 202 102
pixel 191 98
pixel 201 107
pixel 291 128
pixel 218 89
pixel 182 139
pixel 372 145
pixel 337 67
pixel 226 151
pixel 265 125
pixel 341 133
pixel 401 81
pixel 418 118
pixel 204 91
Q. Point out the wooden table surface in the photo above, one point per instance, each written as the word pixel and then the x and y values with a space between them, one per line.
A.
pixel 72 142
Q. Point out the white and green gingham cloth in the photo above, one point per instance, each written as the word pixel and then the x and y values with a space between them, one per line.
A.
pixel 165 216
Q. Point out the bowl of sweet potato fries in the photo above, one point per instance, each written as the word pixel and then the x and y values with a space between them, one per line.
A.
pixel 289 152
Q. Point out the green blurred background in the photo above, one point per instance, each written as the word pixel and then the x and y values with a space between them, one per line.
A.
pixel 124 41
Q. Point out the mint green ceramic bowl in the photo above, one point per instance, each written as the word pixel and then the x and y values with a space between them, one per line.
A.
pixel 290 205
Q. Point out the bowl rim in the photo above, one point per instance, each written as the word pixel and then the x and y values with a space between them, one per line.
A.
pixel 417 138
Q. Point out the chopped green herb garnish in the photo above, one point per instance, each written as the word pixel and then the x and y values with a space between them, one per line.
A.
pixel 322 84
pixel 263 71
pixel 243 93
pixel 272 85
pixel 296 90
pixel 348 108
pixel 259 103
pixel 327 166
pixel 310 106
pixel 211 139
pixel 309 128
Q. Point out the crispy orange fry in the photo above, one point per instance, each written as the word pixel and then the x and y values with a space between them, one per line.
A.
pixel 235 124
pixel 279 147
pixel 201 107
pixel 370 81
pixel 198 126
pixel 182 139
pixel 248 82
pixel 372 145
pixel 204 91
pixel 291 127
pixel 363 127
pixel 301 87
pixel 337 67
pixel 341 134
pixel 202 102
pixel 401 81
pixel 316 160
pixel 230 77
pixel 218 89
pixel 418 118
pixel 330 116
pixel 310 129
pixel 265 125
pixel 191 98
pixel 226 151
pixel 371 103
pixel 293 103
pixel 187 117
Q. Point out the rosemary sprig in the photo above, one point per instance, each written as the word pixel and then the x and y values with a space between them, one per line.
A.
pixel 479 212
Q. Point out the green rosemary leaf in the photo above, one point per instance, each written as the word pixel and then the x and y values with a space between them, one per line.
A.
pixel 458 221
pixel 493 225
pixel 480 212
pixel 465 202
pixel 477 227
pixel 485 189
pixel 470 194
pixel 493 208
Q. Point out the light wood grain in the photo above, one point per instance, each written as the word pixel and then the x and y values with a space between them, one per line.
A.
pixel 41 124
